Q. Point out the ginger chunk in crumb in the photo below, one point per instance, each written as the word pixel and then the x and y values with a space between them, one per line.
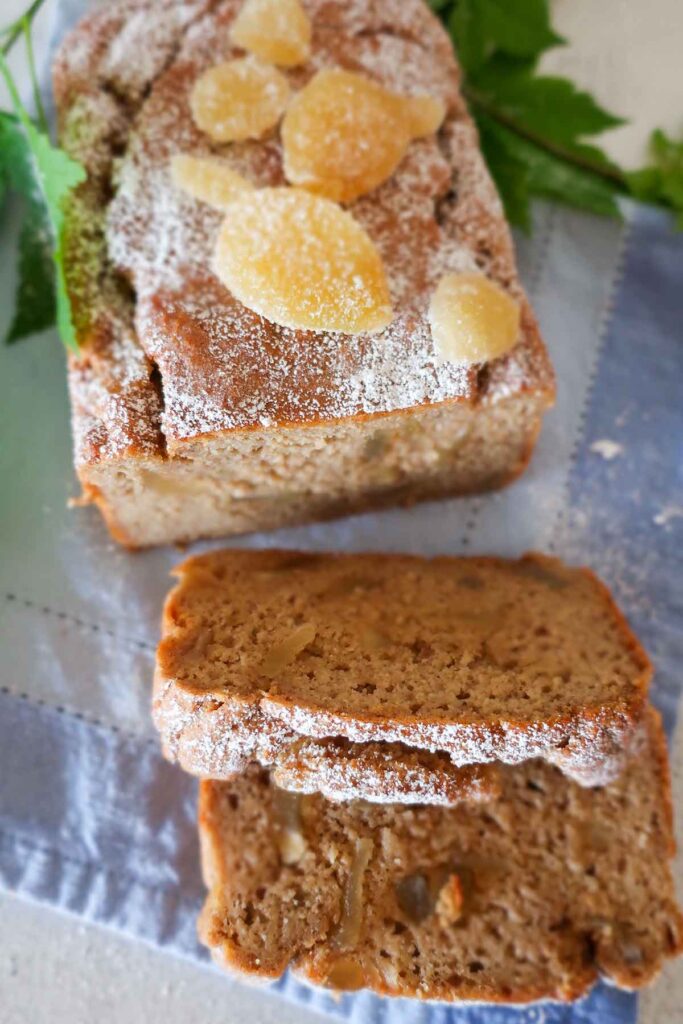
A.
pixel 351 921
pixel 284 653
pixel 344 134
pixel 302 262
pixel 278 31
pixel 450 902
pixel 290 837
pixel 472 319
pixel 240 99
pixel 346 975
pixel 207 179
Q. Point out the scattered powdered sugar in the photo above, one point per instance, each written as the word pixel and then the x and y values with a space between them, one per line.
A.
pixel 139 50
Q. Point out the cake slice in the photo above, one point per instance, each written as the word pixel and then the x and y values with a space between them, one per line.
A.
pixel 337 669
pixel 533 896
pixel 193 415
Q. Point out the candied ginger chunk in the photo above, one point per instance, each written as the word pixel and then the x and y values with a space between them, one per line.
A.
pixel 207 179
pixel 278 31
pixel 283 654
pixel 472 319
pixel 301 261
pixel 240 99
pixel 346 975
pixel 344 134
pixel 425 114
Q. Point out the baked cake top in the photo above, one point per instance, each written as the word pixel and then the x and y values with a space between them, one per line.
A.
pixel 220 365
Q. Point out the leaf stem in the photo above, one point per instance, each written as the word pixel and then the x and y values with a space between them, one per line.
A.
pixel 9 82
pixel 11 87
pixel 611 174
pixel 16 29
pixel 37 98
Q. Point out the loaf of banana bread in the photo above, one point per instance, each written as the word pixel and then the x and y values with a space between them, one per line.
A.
pixel 195 415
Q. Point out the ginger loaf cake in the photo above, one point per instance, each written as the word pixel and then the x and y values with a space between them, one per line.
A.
pixel 533 896
pixel 335 670
pixel 195 413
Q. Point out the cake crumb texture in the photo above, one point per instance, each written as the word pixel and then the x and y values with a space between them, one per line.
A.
pixel 480 658
pixel 533 896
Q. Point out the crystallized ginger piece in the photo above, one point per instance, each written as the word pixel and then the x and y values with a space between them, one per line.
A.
pixel 351 923
pixel 284 653
pixel 472 319
pixel 450 902
pixel 278 31
pixel 344 134
pixel 207 179
pixel 240 99
pixel 302 262
pixel 425 115
pixel 290 839
pixel 346 975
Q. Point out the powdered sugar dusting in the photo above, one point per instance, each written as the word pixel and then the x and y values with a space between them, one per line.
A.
pixel 224 367
pixel 217 739
pixel 381 773
pixel 220 366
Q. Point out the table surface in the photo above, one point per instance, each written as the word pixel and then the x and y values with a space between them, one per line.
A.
pixel 57 969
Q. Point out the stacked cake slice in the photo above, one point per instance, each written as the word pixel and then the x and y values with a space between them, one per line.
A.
pixel 436 778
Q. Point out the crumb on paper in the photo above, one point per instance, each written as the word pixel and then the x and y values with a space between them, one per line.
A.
pixel 607 449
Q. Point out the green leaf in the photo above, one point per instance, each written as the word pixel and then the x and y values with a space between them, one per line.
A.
pixel 44 175
pixel 57 175
pixel 510 174
pixel 536 131
pixel 35 297
pixel 520 28
pixel 662 181
pixel 467 32
pixel 546 107
pixel 516 28
pixel 545 174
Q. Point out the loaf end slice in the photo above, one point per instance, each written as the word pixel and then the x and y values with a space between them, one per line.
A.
pixel 534 896
pixel 297 661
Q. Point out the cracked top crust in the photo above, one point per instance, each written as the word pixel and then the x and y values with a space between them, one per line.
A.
pixel 208 364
